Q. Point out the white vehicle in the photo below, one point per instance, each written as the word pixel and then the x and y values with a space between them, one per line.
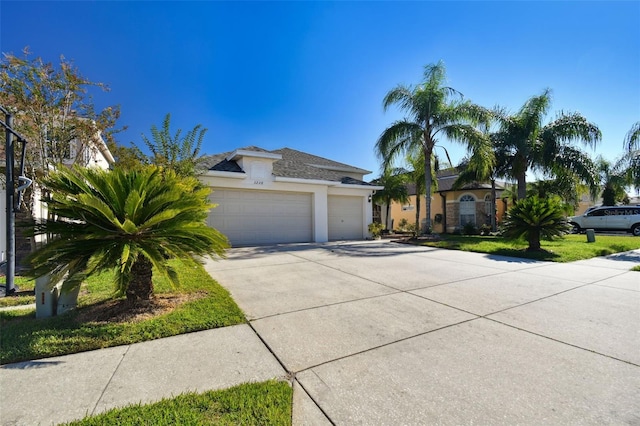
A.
pixel 608 218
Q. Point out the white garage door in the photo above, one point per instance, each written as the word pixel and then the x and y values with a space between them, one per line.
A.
pixel 345 218
pixel 261 217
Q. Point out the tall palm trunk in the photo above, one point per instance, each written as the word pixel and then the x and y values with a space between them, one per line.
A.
pixel 428 179
pixel 494 225
pixel 417 212
pixel 387 218
pixel 141 285
pixel 520 172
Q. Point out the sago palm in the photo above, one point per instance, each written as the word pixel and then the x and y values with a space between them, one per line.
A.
pixel 535 218
pixel 125 220
pixel 434 111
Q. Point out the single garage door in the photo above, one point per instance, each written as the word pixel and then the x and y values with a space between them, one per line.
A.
pixel 262 217
pixel 345 218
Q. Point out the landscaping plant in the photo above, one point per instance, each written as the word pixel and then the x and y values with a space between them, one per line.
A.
pixel 535 218
pixel 128 221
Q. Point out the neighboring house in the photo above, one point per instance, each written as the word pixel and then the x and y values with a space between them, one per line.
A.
pixel 286 196
pixel 450 209
pixel 92 154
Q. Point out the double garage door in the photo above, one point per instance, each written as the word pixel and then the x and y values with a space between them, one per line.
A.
pixel 270 217
pixel 262 217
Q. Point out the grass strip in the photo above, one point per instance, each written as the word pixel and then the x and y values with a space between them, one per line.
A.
pixel 24 296
pixel 24 337
pixel 265 403
pixel 567 249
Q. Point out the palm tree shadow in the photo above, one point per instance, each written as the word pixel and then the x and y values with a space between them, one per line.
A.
pixel 523 255
pixel 29 365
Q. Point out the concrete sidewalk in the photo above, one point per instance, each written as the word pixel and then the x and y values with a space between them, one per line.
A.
pixel 61 389
pixel 377 333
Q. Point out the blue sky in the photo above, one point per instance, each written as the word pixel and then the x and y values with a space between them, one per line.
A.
pixel 312 75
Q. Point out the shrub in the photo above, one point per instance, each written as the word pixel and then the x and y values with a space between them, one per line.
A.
pixel 534 218
pixel 485 229
pixel 375 229
pixel 469 229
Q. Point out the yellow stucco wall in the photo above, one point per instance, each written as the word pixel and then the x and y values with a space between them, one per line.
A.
pixel 407 211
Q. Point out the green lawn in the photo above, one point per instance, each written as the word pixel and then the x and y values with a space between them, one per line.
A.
pixel 24 295
pixel 568 249
pixel 267 403
pixel 24 337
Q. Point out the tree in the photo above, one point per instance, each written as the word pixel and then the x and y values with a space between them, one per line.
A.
pixel 632 158
pixel 481 166
pixel 528 144
pixel 173 152
pixel 566 187
pixel 52 107
pixel 431 113
pixel 125 220
pixel 416 176
pixel 395 189
pixel 632 139
pixel 535 218
pixel 613 180
pixel 128 157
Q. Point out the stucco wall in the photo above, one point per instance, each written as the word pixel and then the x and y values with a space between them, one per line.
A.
pixel 452 210
pixel 319 190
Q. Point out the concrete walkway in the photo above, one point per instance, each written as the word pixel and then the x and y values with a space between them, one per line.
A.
pixel 378 333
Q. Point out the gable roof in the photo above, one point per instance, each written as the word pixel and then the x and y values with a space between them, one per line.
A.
pixel 292 164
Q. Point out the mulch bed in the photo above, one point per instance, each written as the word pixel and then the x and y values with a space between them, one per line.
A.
pixel 121 311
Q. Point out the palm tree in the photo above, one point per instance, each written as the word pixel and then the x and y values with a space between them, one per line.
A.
pixel 535 218
pixel 432 113
pixel 613 178
pixel 172 151
pixel 528 144
pixel 481 166
pixel 416 177
pixel 632 139
pixel 564 186
pixel 125 220
pixel 632 158
pixel 395 189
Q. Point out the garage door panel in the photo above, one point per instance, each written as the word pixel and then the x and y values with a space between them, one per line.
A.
pixel 345 218
pixel 262 217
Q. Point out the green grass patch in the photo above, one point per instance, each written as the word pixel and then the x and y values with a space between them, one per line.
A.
pixel 266 403
pixel 24 296
pixel 208 306
pixel 567 249
pixel 636 268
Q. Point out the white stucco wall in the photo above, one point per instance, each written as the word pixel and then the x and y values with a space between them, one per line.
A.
pixel 320 191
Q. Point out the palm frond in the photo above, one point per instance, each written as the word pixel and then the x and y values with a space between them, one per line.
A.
pixel 632 139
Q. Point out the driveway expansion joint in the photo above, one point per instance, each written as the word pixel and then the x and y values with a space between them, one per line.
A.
pixel 562 342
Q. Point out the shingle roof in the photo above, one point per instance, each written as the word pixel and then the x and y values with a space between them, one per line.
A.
pixel 294 164
pixel 446 179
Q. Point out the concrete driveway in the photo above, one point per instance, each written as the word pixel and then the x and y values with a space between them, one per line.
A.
pixel 382 333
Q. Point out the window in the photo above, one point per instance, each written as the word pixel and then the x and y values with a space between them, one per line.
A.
pixel 598 212
pixel 407 207
pixel 467 210
pixel 487 204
